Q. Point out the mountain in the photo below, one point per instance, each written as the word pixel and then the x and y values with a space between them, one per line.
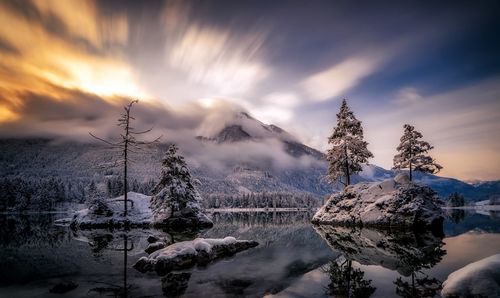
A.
pixel 243 127
pixel 243 156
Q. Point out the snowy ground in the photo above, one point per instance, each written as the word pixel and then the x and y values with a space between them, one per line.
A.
pixel 139 214
pixel 259 209
pixel 478 279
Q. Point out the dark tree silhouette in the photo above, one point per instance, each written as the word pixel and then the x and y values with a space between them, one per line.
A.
pixel 127 144
pixel 347 282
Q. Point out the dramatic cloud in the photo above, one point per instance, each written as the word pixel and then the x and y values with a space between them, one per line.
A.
pixel 67 67
pixel 334 81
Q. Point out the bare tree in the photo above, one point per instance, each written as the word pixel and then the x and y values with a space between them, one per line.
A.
pixel 127 144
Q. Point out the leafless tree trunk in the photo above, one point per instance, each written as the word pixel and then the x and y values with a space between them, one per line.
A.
pixel 125 145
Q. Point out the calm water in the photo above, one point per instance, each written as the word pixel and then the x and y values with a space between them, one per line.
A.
pixel 294 259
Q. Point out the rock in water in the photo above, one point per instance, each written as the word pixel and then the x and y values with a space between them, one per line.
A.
pixel 152 239
pixel 478 279
pixel 152 247
pixel 189 253
pixel 391 203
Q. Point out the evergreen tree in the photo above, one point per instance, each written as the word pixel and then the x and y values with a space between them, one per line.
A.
pixel 349 150
pixel 175 190
pixel 96 201
pixel 413 153
pixel 455 200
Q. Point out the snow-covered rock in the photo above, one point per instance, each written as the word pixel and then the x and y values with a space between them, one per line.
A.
pixel 186 254
pixel 395 202
pixel 139 214
pixel 152 247
pixel 478 279
pixel 402 250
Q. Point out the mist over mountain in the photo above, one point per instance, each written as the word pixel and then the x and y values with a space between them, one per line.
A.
pixel 241 156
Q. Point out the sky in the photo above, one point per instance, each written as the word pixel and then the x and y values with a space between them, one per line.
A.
pixel 66 66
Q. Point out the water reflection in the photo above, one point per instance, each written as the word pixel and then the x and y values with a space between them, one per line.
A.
pixel 456 215
pixel 293 258
pixel 421 285
pixel 101 240
pixel 404 251
pixel 125 242
pixel 346 281
pixel 175 284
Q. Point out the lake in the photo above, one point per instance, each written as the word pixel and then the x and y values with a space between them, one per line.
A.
pixel 293 259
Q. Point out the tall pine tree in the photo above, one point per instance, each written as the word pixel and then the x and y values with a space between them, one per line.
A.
pixel 349 150
pixel 413 153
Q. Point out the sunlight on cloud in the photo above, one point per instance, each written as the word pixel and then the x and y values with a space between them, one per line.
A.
pixel 212 57
pixel 273 114
pixel 407 96
pixel 82 20
pixel 339 78
pixel 59 58
pixel 218 60
pixel 100 76
pixel 283 99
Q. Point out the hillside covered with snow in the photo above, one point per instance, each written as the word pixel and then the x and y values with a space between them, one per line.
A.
pixel 241 156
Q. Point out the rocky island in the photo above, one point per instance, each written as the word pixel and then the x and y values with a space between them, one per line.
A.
pixel 392 203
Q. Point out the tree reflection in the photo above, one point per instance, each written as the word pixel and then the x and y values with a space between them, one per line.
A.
pixel 405 251
pixel 401 250
pixel 420 285
pixel 106 241
pixel 455 215
pixel 346 281
pixel 175 284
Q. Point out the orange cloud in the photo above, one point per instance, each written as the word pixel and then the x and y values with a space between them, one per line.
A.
pixel 62 43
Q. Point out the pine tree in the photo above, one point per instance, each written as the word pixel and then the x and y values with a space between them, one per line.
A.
pixel 175 191
pixel 455 200
pixel 96 201
pixel 349 150
pixel 413 153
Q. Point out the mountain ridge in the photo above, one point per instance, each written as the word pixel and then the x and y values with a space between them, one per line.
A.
pixel 244 156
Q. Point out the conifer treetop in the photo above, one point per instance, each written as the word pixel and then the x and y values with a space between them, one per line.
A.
pixel 349 149
pixel 413 153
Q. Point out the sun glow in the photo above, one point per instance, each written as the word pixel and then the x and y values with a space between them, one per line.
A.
pixel 61 59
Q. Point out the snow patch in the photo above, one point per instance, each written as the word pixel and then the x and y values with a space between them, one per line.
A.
pixel 189 253
pixel 478 279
